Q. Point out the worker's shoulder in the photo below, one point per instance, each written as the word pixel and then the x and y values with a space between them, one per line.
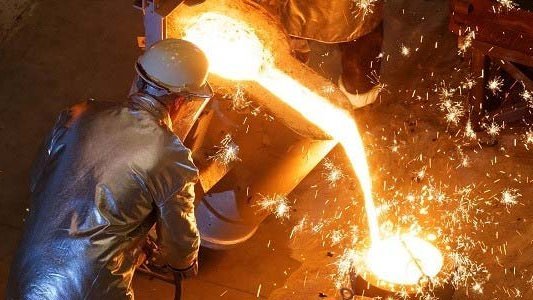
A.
pixel 118 113
pixel 94 105
pixel 177 156
pixel 119 122
pixel 89 107
pixel 175 149
pixel 73 114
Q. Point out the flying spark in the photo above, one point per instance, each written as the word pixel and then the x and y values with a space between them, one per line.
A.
pixel 477 288
pixel 239 100
pixel 420 174
pixel 509 197
pixel 466 271
pixel 333 173
pixel 375 79
pixel 405 51
pixel 227 151
pixel 528 97
pixel 454 110
pixel 345 265
pixel 445 95
pixel 366 6
pixel 299 227
pixel 465 161
pixel 277 205
pixel 336 237
pixel 508 4
pixel 467 41
pixel 528 137
pixel 454 113
pixel 493 129
pixel 495 85
pixel 470 133
pixel 468 83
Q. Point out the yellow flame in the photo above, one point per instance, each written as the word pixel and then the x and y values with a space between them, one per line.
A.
pixel 235 52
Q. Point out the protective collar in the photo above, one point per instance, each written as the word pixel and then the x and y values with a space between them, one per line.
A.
pixel 151 105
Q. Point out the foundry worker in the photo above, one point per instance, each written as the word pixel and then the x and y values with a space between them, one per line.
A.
pixel 107 173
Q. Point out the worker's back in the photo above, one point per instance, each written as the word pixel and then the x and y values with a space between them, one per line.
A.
pixel 94 189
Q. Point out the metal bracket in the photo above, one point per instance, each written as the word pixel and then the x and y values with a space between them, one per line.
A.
pixel 139 4
pixel 155 14
pixel 161 7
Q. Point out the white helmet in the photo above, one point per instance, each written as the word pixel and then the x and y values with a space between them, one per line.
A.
pixel 177 66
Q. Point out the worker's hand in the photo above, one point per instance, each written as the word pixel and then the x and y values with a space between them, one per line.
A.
pixel 153 253
pixel 180 274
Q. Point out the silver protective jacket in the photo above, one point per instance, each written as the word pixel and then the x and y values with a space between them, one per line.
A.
pixel 330 21
pixel 107 173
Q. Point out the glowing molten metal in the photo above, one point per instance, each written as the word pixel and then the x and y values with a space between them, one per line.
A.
pixel 236 53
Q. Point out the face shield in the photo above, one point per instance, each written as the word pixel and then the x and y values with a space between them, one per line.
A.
pixel 185 104
pixel 186 110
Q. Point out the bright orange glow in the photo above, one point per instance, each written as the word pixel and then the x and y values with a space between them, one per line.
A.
pixel 403 260
pixel 236 53
pixel 233 49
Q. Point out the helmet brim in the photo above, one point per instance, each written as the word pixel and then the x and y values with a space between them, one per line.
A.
pixel 204 91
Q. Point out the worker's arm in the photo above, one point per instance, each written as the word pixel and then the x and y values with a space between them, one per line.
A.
pixel 178 236
pixel 53 145
pixel 50 148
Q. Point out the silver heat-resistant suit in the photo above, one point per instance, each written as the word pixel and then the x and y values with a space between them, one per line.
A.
pixel 106 174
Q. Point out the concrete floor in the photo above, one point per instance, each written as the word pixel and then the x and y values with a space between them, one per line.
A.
pixel 67 51
pixel 11 11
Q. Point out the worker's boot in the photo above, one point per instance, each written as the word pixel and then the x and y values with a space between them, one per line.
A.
pixel 361 62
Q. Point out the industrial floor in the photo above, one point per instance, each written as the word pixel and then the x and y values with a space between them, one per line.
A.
pixel 67 51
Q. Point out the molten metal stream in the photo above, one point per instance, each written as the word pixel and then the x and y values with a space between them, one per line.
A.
pixel 236 53
pixel 331 119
